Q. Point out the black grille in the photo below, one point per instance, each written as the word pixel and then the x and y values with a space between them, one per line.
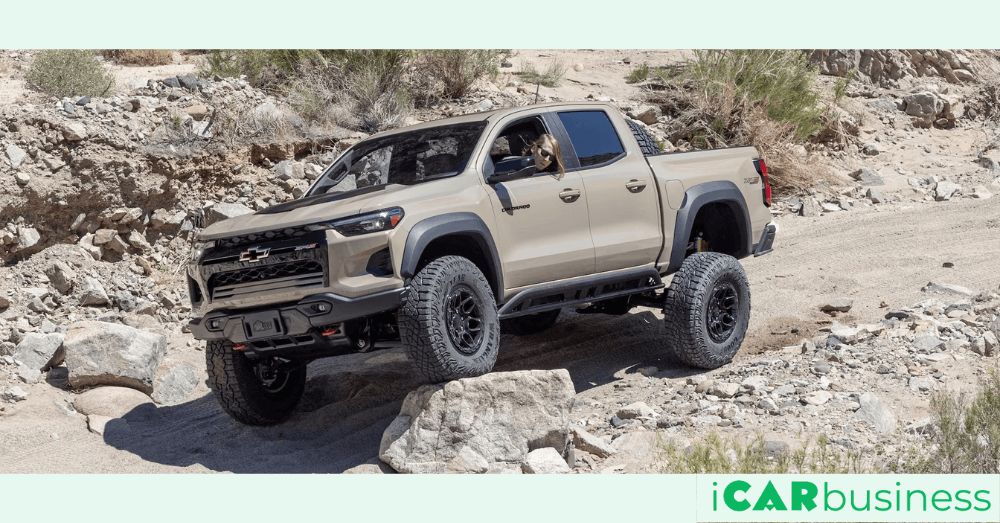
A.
pixel 286 275
pixel 264 236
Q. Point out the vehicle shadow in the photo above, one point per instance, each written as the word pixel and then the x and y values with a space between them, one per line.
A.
pixel 351 400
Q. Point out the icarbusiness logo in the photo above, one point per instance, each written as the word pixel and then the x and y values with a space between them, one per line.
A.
pixel 848 497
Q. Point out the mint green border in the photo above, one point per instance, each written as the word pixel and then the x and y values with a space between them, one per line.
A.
pixel 183 498
pixel 520 24
pixel 452 23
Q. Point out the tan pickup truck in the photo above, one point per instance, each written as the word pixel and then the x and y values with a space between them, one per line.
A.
pixel 446 234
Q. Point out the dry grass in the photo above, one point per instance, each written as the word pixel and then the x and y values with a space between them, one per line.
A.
pixel 551 77
pixel 148 57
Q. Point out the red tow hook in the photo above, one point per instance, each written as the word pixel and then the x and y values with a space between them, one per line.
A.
pixel 331 332
pixel 239 347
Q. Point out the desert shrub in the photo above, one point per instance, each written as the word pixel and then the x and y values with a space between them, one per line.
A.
pixel 69 72
pixel 264 68
pixel 967 434
pixel 713 454
pixel 458 69
pixel 372 83
pixel 358 88
pixel 639 74
pixel 551 77
pixel 763 98
pixel 139 56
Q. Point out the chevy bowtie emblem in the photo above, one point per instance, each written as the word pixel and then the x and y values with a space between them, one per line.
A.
pixel 254 254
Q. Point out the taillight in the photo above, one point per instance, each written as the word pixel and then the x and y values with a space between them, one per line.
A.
pixel 766 189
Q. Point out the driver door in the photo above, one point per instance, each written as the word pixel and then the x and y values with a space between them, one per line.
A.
pixel 542 222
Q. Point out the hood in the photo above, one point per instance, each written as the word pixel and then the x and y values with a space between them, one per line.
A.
pixel 299 212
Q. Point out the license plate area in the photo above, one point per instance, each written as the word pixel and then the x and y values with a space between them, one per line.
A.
pixel 262 325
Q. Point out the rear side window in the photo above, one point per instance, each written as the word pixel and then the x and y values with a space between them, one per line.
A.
pixel 593 136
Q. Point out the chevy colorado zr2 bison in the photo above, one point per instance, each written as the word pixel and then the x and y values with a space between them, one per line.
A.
pixel 444 235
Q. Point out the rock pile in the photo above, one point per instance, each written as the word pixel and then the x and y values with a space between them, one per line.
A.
pixel 895 68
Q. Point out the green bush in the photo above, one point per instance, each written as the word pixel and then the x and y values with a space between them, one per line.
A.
pixel 968 432
pixel 763 98
pixel 714 455
pixel 139 56
pixel 779 80
pixel 550 78
pixel 369 84
pixel 639 74
pixel 69 72
pixel 458 69
pixel 264 68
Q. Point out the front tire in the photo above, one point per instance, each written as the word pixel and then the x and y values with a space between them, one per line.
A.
pixel 707 310
pixel 448 321
pixel 254 392
pixel 530 323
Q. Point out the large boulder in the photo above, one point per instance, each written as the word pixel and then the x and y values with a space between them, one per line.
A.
pixel 499 417
pixel 99 353
pixel 40 351
pixel 225 211
pixel 175 384
pixel 92 293
pixel 112 402
pixel 62 276
pixel 875 413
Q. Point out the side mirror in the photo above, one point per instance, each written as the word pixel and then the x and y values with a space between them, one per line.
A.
pixel 513 169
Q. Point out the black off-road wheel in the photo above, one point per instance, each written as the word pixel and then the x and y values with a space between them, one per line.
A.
pixel 448 321
pixel 529 323
pixel 707 310
pixel 255 392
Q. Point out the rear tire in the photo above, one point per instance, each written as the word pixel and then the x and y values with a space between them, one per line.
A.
pixel 448 321
pixel 251 391
pixel 530 323
pixel 707 310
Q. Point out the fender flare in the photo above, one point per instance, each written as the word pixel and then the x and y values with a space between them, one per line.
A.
pixel 695 198
pixel 464 224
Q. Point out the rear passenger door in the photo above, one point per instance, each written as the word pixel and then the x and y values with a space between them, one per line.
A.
pixel 622 199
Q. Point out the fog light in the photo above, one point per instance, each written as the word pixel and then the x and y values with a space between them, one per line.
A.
pixel 320 307
pixel 214 324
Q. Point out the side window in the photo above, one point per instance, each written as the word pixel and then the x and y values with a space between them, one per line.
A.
pixel 513 141
pixel 593 136
pixel 373 169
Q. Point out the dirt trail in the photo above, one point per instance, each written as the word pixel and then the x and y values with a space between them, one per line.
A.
pixel 871 256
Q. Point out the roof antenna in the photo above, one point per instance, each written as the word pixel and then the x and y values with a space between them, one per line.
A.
pixel 537 86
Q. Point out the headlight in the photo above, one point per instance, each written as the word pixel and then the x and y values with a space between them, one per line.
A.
pixel 362 224
pixel 199 248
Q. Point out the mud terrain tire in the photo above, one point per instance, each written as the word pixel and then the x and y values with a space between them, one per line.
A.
pixel 707 310
pixel 529 323
pixel 448 321
pixel 647 144
pixel 244 395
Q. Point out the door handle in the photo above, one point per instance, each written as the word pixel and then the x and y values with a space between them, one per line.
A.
pixel 635 186
pixel 569 195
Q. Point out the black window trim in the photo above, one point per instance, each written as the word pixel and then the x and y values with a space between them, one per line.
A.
pixel 567 144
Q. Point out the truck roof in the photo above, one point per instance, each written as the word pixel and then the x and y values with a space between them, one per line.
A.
pixel 487 115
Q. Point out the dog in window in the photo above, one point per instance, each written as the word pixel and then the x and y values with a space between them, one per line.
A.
pixel 548 155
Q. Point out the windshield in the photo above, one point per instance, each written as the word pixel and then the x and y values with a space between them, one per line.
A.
pixel 405 159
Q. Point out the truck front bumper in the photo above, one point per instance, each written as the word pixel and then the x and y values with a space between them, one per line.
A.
pixel 299 323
